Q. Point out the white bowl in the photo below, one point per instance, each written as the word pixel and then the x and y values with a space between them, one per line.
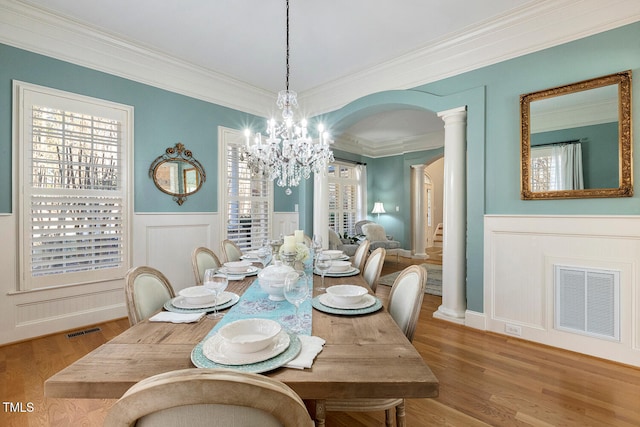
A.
pixel 197 295
pixel 238 266
pixel 249 335
pixel 346 294
pixel 271 280
pixel 339 266
pixel 333 254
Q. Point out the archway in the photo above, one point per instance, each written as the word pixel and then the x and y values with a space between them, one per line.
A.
pixel 454 247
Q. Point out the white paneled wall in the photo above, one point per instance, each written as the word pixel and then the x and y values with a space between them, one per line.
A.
pixel 162 240
pixel 520 255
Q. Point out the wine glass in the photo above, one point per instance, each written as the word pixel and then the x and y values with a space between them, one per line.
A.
pixel 316 244
pixel 264 253
pixel 323 263
pixel 296 290
pixel 216 282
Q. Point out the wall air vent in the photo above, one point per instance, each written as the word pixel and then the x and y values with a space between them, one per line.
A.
pixel 587 301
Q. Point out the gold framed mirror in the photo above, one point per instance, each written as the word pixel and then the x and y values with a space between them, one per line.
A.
pixel 177 173
pixel 576 140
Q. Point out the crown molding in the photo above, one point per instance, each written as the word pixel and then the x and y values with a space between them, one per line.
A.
pixel 528 29
pixel 38 31
pixel 352 144
pixel 525 30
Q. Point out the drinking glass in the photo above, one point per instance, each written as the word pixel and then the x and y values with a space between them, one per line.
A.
pixel 264 253
pixel 316 245
pixel 296 290
pixel 323 263
pixel 216 282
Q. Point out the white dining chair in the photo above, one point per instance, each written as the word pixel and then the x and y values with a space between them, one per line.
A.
pixel 205 397
pixel 202 259
pixel 405 303
pixel 230 251
pixel 146 291
pixel 373 267
pixel 360 257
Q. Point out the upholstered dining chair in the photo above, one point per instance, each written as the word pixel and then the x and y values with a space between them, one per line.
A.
pixel 204 397
pixel 360 257
pixel 373 267
pixel 202 259
pixel 146 290
pixel 405 303
pixel 230 251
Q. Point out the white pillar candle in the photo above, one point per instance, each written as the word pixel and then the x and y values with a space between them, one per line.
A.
pixel 289 244
pixel 299 236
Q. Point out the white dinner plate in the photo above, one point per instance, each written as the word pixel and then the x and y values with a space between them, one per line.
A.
pixel 366 301
pixel 253 256
pixel 351 272
pixel 216 350
pixel 251 271
pixel 181 302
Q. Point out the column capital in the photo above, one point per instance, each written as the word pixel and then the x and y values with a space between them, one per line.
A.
pixel 459 113
pixel 420 166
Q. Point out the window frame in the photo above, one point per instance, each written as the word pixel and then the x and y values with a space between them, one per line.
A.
pixel 339 182
pixel 227 137
pixel 25 95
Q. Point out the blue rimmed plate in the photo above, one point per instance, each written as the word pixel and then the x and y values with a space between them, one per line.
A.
pixel 201 361
pixel 318 305
pixel 170 307
pixel 351 272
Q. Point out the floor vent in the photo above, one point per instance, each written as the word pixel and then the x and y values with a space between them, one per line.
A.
pixel 587 301
pixel 85 332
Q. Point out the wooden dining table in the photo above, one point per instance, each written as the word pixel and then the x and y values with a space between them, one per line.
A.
pixel 365 356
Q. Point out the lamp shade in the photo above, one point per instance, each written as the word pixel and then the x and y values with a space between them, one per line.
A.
pixel 378 208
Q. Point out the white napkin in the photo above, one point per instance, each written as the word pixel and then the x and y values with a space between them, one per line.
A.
pixel 168 316
pixel 311 346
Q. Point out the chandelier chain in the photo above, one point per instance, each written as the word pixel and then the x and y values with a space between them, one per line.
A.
pixel 287 56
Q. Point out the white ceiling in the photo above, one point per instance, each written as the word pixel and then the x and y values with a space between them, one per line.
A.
pixel 340 49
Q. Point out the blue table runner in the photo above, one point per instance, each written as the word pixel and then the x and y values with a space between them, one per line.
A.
pixel 255 303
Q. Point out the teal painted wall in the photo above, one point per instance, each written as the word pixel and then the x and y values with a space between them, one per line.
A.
pixel 491 95
pixel 162 119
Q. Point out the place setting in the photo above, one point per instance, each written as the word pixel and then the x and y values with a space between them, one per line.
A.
pixel 238 270
pixel 351 300
pixel 261 344
pixel 210 297
pixel 331 266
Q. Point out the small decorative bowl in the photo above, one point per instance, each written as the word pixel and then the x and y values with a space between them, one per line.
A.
pixel 333 253
pixel 237 266
pixel 346 294
pixel 249 335
pixel 339 266
pixel 197 295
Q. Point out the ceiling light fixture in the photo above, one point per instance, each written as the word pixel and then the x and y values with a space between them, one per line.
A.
pixel 288 153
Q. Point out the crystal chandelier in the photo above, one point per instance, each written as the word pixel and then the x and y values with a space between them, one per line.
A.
pixel 287 153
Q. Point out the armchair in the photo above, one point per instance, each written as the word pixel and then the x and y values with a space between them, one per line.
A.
pixel 335 242
pixel 377 237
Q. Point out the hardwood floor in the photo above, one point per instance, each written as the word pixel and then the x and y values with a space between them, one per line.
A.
pixel 485 380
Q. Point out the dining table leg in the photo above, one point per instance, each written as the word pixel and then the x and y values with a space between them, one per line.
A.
pixel 321 412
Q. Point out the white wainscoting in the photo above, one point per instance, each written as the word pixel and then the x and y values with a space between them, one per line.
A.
pixel 520 253
pixel 161 240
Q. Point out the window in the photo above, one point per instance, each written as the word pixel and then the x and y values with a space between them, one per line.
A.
pixel 73 207
pixel 247 200
pixel 343 198
pixel 543 169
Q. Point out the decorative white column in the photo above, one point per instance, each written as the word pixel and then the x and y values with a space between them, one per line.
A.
pixel 321 207
pixel 417 211
pixel 454 303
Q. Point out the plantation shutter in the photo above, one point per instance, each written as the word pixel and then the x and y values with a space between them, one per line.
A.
pixel 74 204
pixel 343 191
pixel 248 202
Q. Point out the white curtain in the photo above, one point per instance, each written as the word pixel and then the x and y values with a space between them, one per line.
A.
pixel 361 176
pixel 568 160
